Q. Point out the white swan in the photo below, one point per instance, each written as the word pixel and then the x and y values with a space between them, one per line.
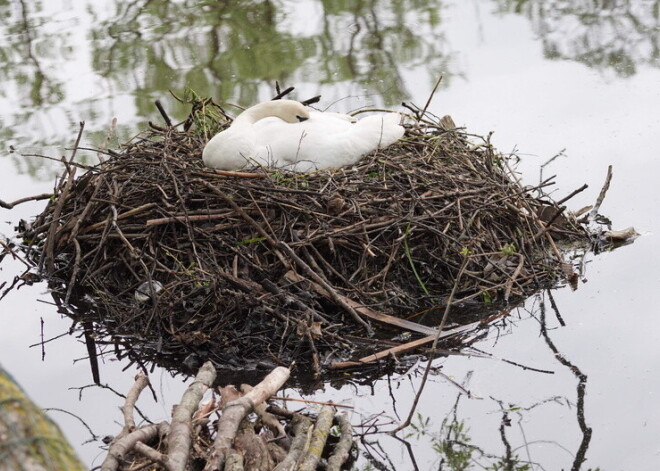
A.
pixel 286 134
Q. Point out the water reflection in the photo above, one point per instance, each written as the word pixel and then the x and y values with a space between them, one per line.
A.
pixel 229 50
pixel 27 50
pixel 63 64
pixel 606 35
pixel 479 429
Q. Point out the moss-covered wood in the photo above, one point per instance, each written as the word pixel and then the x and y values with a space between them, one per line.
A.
pixel 29 440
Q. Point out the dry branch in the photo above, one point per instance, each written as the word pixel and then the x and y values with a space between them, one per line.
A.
pixel 180 437
pixel 233 444
pixel 234 411
pixel 341 452
pixel 141 382
pixel 120 448
pixel 317 442
pixel 302 430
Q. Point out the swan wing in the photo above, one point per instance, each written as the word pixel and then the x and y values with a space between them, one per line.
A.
pixel 232 149
pixel 325 140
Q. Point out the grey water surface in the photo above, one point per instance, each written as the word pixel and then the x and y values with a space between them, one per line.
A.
pixel 574 78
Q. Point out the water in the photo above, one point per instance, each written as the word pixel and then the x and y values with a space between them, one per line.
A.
pixel 544 76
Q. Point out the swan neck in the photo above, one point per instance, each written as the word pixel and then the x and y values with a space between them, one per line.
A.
pixel 255 113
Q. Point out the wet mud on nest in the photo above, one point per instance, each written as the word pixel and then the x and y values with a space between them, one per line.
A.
pixel 162 260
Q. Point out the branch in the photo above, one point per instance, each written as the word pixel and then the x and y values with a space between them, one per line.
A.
pixel 319 437
pixel 302 428
pixel 43 196
pixel 601 196
pixel 141 382
pixel 163 113
pixel 180 436
pixel 233 412
pixel 343 447
pixel 121 447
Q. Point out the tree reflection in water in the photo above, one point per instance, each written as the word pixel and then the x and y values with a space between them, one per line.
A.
pixel 229 49
pixel 133 52
pixel 606 35
pixel 499 446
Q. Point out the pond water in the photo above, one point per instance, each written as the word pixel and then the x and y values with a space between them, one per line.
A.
pixel 547 77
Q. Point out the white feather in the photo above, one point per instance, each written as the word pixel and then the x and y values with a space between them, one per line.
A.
pixel 270 135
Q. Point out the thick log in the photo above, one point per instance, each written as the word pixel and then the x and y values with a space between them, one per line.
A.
pixel 254 449
pixel 29 440
pixel 180 437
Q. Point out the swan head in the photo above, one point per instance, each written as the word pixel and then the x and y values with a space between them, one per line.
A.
pixel 291 111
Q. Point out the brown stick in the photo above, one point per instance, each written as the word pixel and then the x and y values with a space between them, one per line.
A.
pixel 227 173
pixel 43 196
pixel 511 281
pixel 167 119
pixel 402 348
pixel 364 310
pixel 197 217
pixel 308 401
pixel 601 195
pixel 124 215
pixel 571 195
pixel 236 410
pixel 428 102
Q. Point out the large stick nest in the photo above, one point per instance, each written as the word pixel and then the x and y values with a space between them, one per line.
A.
pixel 271 267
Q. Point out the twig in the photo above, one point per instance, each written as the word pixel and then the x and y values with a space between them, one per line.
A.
pixel 445 316
pixel 428 102
pixel 227 173
pixel 42 196
pixel 311 101
pixel 601 196
pixel 511 281
pixel 308 401
pixel 572 194
pixel 403 348
pixel 163 113
pixel 283 93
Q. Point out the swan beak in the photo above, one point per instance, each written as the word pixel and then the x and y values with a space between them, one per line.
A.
pixel 302 118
